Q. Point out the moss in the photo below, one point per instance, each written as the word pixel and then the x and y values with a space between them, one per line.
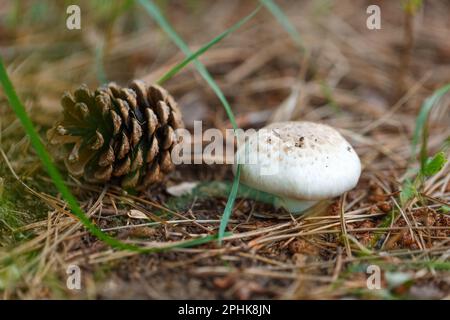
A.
pixel 17 208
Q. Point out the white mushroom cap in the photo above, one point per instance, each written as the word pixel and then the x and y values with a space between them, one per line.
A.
pixel 299 161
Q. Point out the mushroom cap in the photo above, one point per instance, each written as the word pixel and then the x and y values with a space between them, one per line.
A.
pixel 300 160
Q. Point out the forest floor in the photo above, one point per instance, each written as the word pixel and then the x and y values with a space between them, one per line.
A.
pixel 369 84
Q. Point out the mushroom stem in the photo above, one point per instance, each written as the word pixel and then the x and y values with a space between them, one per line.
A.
pixel 295 205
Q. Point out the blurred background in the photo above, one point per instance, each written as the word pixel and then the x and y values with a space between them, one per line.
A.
pixel 256 67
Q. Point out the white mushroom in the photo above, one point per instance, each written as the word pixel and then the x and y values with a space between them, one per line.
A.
pixel 300 162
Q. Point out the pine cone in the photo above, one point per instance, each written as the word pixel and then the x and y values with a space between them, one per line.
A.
pixel 118 135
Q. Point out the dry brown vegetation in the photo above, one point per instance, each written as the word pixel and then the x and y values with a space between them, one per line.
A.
pixel 368 84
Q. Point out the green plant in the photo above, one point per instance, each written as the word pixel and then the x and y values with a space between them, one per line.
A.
pixel 429 166
pixel 281 17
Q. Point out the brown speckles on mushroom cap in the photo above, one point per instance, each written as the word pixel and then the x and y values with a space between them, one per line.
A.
pixel 304 160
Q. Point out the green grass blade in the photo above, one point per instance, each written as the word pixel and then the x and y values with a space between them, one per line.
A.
pixel 99 62
pixel 422 118
pixel 284 21
pixel 21 113
pixel 156 14
pixel 205 48
pixel 229 207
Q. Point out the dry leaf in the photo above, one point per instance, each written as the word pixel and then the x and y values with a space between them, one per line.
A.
pixel 136 214
pixel 182 188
